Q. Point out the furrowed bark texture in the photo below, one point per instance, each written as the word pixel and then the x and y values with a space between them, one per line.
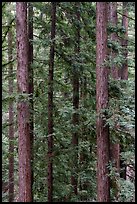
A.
pixel 103 184
pixel 23 105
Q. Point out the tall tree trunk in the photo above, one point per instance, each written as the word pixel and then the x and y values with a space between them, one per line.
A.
pixel 11 120
pixel 124 69
pixel 23 105
pixel 83 154
pixel 31 87
pixel 103 183
pixel 75 116
pixel 114 148
pixel 50 102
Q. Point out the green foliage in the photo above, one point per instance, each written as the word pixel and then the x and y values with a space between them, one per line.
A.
pixel 120 114
pixel 127 191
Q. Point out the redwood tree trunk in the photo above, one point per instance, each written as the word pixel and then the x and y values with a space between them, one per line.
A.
pixel 124 69
pixel 75 116
pixel 11 120
pixel 83 155
pixel 50 102
pixel 103 184
pixel 31 87
pixel 23 105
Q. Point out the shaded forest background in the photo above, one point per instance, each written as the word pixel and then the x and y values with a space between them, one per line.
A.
pixel 61 98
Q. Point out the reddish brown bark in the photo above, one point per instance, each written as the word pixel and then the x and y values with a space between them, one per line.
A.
pixel 50 102
pixel 11 120
pixel 31 86
pixel 23 105
pixel 103 184
pixel 124 69
pixel 75 116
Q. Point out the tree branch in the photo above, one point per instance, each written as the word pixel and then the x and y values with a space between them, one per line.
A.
pixel 126 16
